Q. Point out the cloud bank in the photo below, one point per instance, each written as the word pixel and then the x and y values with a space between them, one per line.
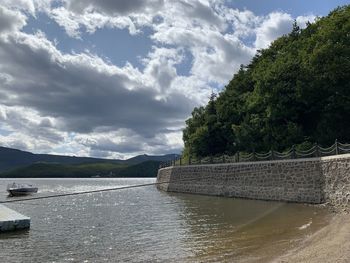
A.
pixel 81 103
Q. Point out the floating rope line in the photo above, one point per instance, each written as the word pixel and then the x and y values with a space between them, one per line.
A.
pixel 87 192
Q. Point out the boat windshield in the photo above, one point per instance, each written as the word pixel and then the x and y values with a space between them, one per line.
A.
pixel 17 186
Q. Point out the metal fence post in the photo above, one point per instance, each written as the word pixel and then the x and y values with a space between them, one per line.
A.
pixel 272 155
pixel 317 150
pixel 189 160
pixel 293 152
pixel 223 159
pixel 336 147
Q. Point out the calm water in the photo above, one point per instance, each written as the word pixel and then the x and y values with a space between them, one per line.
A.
pixel 146 225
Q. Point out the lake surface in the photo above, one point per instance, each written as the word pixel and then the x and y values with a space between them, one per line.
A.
pixel 147 225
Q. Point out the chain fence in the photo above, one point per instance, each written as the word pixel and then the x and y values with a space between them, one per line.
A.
pixel 315 151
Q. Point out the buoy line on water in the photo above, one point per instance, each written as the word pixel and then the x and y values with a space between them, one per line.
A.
pixel 89 192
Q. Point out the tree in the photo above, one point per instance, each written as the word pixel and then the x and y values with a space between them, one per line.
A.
pixel 294 91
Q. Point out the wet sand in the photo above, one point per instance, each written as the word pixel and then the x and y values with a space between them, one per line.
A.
pixel 329 244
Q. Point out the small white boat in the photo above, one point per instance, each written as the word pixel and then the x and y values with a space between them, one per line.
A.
pixel 15 189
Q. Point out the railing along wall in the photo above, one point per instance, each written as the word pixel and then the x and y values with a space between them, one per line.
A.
pixel 315 151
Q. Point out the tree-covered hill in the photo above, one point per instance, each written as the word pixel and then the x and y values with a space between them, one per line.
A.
pixel 296 90
pixel 13 158
pixel 102 169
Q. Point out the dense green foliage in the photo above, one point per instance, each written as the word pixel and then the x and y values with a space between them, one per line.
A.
pixel 297 90
pixel 42 170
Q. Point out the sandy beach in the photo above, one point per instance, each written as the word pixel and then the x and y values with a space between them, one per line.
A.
pixel 329 244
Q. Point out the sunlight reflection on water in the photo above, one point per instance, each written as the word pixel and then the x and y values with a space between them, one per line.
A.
pixel 145 224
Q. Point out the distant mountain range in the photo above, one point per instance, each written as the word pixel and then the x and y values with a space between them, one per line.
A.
pixel 12 160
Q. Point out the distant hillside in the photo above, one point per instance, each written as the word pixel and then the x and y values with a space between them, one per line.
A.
pixel 145 157
pixel 144 169
pixel 46 170
pixel 13 158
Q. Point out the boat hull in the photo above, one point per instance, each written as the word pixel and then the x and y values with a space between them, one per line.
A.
pixel 22 191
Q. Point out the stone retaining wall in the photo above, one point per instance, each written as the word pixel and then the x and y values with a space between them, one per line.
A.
pixel 335 171
pixel 313 180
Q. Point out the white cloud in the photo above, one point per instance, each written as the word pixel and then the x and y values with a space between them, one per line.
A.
pixel 211 31
pixel 160 68
pixel 81 93
pixel 25 5
pixel 28 121
pixel 11 21
pixel 196 89
pixel 26 129
pixel 114 7
pixel 275 25
pixel 302 20
pixel 129 143
pixel 75 24
pixel 89 86
pixel 216 54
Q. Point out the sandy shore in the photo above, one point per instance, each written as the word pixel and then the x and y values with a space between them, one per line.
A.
pixel 329 244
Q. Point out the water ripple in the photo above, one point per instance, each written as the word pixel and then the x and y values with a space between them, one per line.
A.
pixel 146 225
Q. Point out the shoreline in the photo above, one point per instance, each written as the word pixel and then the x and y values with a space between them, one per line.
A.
pixel 329 244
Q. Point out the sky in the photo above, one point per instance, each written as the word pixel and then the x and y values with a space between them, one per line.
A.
pixel 116 78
